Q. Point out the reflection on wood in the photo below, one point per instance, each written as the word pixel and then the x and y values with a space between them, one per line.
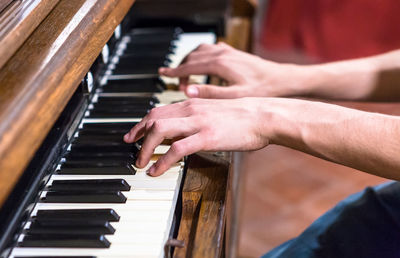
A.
pixel 18 21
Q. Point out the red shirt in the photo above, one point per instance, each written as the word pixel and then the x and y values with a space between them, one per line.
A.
pixel 331 30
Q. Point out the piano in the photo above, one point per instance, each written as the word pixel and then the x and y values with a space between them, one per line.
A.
pixel 75 75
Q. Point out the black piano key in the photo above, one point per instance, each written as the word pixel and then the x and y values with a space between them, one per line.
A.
pixel 108 126
pixel 160 61
pixel 134 54
pixel 128 100
pixel 150 38
pixel 134 43
pixel 123 170
pixel 136 66
pixel 148 51
pixel 96 155
pixel 143 58
pixel 59 240
pixel 142 70
pixel 114 147
pixel 120 109
pixel 95 214
pixel 65 227
pixel 160 31
pixel 117 107
pixel 116 114
pixel 129 86
pixel 90 161
pixel 90 184
pixel 100 132
pixel 101 140
pixel 84 197
pixel 142 48
pixel 116 137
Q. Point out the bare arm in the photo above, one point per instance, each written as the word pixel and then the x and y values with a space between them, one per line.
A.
pixel 362 140
pixel 374 78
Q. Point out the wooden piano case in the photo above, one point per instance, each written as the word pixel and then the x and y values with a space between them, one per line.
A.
pixel 46 48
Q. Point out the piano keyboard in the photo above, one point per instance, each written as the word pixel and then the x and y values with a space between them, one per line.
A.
pixel 97 204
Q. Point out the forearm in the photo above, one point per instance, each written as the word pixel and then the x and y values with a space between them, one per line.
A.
pixel 374 78
pixel 366 141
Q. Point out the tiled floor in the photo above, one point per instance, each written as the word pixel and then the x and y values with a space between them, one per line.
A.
pixel 286 190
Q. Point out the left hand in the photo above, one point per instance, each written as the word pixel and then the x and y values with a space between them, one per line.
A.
pixel 200 124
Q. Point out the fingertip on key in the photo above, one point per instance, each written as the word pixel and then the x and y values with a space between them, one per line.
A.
pixel 151 171
pixel 126 137
pixel 162 70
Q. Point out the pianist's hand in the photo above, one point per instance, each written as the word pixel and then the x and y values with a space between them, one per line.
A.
pixel 200 124
pixel 246 74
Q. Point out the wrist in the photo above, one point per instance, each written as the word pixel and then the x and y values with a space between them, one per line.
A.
pixel 303 80
pixel 278 123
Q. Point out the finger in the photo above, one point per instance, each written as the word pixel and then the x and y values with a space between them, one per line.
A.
pixel 177 151
pixel 187 69
pixel 160 130
pixel 214 92
pixel 137 131
pixel 168 111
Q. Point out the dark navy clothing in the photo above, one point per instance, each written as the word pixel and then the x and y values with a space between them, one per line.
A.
pixel 366 224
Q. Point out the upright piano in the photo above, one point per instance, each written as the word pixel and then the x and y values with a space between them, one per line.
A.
pixel 75 75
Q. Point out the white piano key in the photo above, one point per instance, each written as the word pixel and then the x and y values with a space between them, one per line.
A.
pixel 115 251
pixel 149 195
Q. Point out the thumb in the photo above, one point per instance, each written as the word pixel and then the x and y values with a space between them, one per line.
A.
pixel 213 92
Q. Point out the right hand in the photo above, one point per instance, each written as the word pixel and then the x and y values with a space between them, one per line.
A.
pixel 194 125
pixel 246 75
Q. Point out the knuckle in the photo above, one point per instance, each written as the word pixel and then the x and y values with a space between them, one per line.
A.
pixel 149 124
pixel 178 149
pixel 158 126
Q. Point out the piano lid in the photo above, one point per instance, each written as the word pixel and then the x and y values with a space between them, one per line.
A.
pixel 40 77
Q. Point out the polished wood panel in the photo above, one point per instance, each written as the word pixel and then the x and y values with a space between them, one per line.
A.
pixel 37 82
pixel 204 195
pixel 4 4
pixel 18 21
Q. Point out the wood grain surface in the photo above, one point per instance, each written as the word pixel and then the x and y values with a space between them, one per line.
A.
pixel 204 196
pixel 18 21
pixel 37 82
pixel 4 4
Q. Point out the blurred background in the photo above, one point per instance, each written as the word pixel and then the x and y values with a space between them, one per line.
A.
pixel 285 190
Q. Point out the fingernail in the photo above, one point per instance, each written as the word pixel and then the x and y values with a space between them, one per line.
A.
pixel 126 137
pixel 162 70
pixel 151 170
pixel 192 91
